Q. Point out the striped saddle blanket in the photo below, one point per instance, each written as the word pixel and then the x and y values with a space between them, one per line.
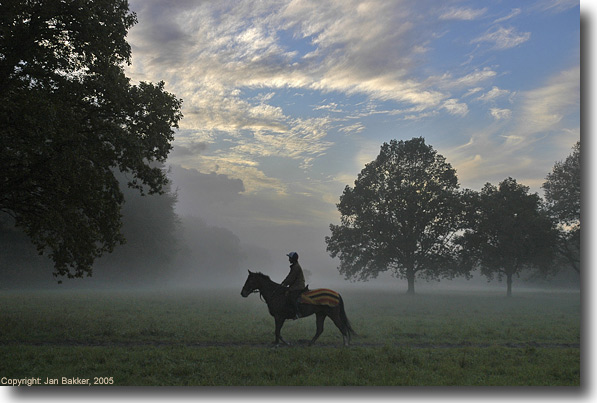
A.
pixel 320 296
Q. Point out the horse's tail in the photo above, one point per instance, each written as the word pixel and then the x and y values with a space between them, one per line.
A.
pixel 344 319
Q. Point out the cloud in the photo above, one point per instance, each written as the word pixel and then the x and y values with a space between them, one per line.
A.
pixel 548 114
pixel 190 150
pixel 513 13
pixel 448 82
pixel 352 129
pixel 544 109
pixel 331 107
pixel 225 110
pixel 503 38
pixel 494 94
pixel 456 108
pixel 473 91
pixel 356 48
pixel 499 114
pixel 556 6
pixel 233 164
pixel 467 14
pixel 303 141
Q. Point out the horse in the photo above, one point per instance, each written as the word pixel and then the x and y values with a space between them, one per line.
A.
pixel 323 303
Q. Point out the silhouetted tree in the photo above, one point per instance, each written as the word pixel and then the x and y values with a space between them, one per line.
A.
pixel 562 194
pixel 401 215
pixel 509 233
pixel 149 225
pixel 69 117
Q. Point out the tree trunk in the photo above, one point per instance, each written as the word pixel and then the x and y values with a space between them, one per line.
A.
pixel 509 283
pixel 410 276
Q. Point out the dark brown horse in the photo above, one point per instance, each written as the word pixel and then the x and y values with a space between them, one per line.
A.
pixel 280 308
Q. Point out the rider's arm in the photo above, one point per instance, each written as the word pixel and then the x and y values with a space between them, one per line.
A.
pixel 291 278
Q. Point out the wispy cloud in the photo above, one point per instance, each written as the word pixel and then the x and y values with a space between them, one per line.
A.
pixel 546 114
pixel 556 6
pixel 494 94
pixel 448 81
pixel 513 13
pixel 500 114
pixel 466 14
pixel 473 91
pixel 352 129
pixel 543 109
pixel 456 108
pixel 503 38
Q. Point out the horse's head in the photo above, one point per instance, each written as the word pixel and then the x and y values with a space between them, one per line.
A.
pixel 251 284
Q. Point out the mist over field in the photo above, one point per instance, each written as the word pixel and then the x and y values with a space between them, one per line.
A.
pixel 179 241
pixel 196 255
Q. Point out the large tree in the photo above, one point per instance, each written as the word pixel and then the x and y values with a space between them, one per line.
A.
pixel 149 225
pixel 69 118
pixel 562 194
pixel 509 233
pixel 401 215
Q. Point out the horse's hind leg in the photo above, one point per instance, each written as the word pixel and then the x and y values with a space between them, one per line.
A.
pixel 320 319
pixel 340 325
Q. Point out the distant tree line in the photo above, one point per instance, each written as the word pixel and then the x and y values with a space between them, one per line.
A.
pixel 406 214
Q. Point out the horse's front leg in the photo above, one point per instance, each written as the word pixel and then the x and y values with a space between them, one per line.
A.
pixel 279 324
pixel 320 318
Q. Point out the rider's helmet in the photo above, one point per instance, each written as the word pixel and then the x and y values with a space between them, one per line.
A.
pixel 293 257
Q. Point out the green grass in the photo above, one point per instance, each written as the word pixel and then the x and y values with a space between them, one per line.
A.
pixel 219 338
pixel 171 365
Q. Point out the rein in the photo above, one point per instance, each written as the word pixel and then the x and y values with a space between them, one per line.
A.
pixel 274 292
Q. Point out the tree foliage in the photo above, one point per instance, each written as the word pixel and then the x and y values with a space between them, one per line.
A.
pixel 401 215
pixel 69 118
pixel 509 232
pixel 149 224
pixel 562 194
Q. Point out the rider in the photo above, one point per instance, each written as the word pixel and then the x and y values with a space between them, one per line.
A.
pixel 295 281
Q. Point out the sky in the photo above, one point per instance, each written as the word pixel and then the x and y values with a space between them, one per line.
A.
pixel 285 102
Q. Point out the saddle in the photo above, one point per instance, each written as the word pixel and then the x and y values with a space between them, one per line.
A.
pixel 287 292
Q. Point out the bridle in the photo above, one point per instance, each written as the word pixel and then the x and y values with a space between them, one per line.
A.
pixel 257 290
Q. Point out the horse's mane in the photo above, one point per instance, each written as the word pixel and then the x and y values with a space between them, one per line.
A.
pixel 265 276
pixel 262 275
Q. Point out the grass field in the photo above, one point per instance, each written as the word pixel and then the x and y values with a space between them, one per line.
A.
pixel 219 338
